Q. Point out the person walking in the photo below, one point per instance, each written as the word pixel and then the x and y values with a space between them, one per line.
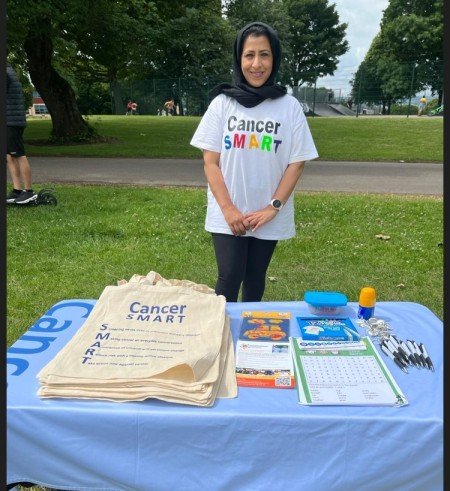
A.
pixel 17 162
pixel 422 104
pixel 255 141
pixel 330 95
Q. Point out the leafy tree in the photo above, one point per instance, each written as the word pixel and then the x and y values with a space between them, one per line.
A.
pixel 272 12
pixel 193 44
pixel 317 40
pixel 367 86
pixel 412 34
pixel 111 34
pixel 380 79
pixel 93 97
pixel 31 29
pixel 49 35
pixel 191 39
pixel 406 56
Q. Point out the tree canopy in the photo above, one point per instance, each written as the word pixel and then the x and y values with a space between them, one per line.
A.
pixel 407 55
pixel 317 40
pixel 91 47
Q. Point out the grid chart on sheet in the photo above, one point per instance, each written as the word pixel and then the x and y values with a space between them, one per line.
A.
pixel 326 370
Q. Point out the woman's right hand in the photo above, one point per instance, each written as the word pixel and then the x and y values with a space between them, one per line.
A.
pixel 236 221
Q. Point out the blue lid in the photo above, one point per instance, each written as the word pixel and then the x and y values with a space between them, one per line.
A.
pixel 331 299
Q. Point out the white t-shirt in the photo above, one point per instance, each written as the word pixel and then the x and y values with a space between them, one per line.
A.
pixel 256 145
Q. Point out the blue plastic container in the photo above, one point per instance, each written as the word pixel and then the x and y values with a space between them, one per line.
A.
pixel 325 303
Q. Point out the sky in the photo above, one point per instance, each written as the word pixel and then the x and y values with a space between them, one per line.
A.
pixel 363 18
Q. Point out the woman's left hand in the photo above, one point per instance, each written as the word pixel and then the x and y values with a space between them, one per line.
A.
pixel 258 218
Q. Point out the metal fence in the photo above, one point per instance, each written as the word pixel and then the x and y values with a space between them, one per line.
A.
pixel 192 96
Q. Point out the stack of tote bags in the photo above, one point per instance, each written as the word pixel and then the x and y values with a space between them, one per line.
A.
pixel 148 338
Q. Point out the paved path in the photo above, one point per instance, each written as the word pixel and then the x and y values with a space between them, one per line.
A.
pixel 354 177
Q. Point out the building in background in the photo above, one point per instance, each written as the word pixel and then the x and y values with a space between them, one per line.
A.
pixel 38 107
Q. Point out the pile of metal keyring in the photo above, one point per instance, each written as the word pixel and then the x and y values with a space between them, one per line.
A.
pixel 403 353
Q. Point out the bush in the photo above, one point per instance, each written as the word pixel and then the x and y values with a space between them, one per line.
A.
pixel 404 109
pixel 433 104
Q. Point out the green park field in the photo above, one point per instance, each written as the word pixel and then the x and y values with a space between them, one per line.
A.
pixel 364 138
pixel 97 235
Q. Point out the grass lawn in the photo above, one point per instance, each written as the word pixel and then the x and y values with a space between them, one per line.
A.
pixel 97 235
pixel 364 138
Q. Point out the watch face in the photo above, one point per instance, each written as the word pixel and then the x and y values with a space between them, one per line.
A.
pixel 276 203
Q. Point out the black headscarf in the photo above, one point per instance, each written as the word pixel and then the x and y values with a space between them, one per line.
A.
pixel 245 94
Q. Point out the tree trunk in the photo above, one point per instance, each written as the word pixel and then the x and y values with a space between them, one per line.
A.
pixel 58 95
pixel 116 91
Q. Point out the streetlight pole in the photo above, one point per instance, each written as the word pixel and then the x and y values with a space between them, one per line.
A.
pixel 411 89
pixel 358 106
pixel 314 93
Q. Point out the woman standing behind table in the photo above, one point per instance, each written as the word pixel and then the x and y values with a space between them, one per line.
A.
pixel 255 141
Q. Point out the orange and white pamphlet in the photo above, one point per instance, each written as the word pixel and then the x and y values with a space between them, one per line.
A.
pixel 263 352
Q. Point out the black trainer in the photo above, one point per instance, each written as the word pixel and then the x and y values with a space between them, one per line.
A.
pixel 26 197
pixel 12 196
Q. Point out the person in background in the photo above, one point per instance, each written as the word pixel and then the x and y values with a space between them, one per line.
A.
pixel 17 162
pixel 330 95
pixel 169 106
pixel 129 104
pixel 422 104
pixel 350 102
pixel 255 141
pixel 133 108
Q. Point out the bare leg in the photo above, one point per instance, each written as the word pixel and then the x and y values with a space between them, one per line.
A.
pixel 14 171
pixel 20 170
pixel 25 171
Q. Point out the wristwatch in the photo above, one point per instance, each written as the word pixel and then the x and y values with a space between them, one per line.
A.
pixel 277 204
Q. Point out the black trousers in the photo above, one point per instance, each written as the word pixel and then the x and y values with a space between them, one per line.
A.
pixel 242 261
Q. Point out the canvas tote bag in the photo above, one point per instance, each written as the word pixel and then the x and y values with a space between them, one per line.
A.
pixel 148 337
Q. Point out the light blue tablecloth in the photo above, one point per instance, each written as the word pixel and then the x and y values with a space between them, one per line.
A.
pixel 262 440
